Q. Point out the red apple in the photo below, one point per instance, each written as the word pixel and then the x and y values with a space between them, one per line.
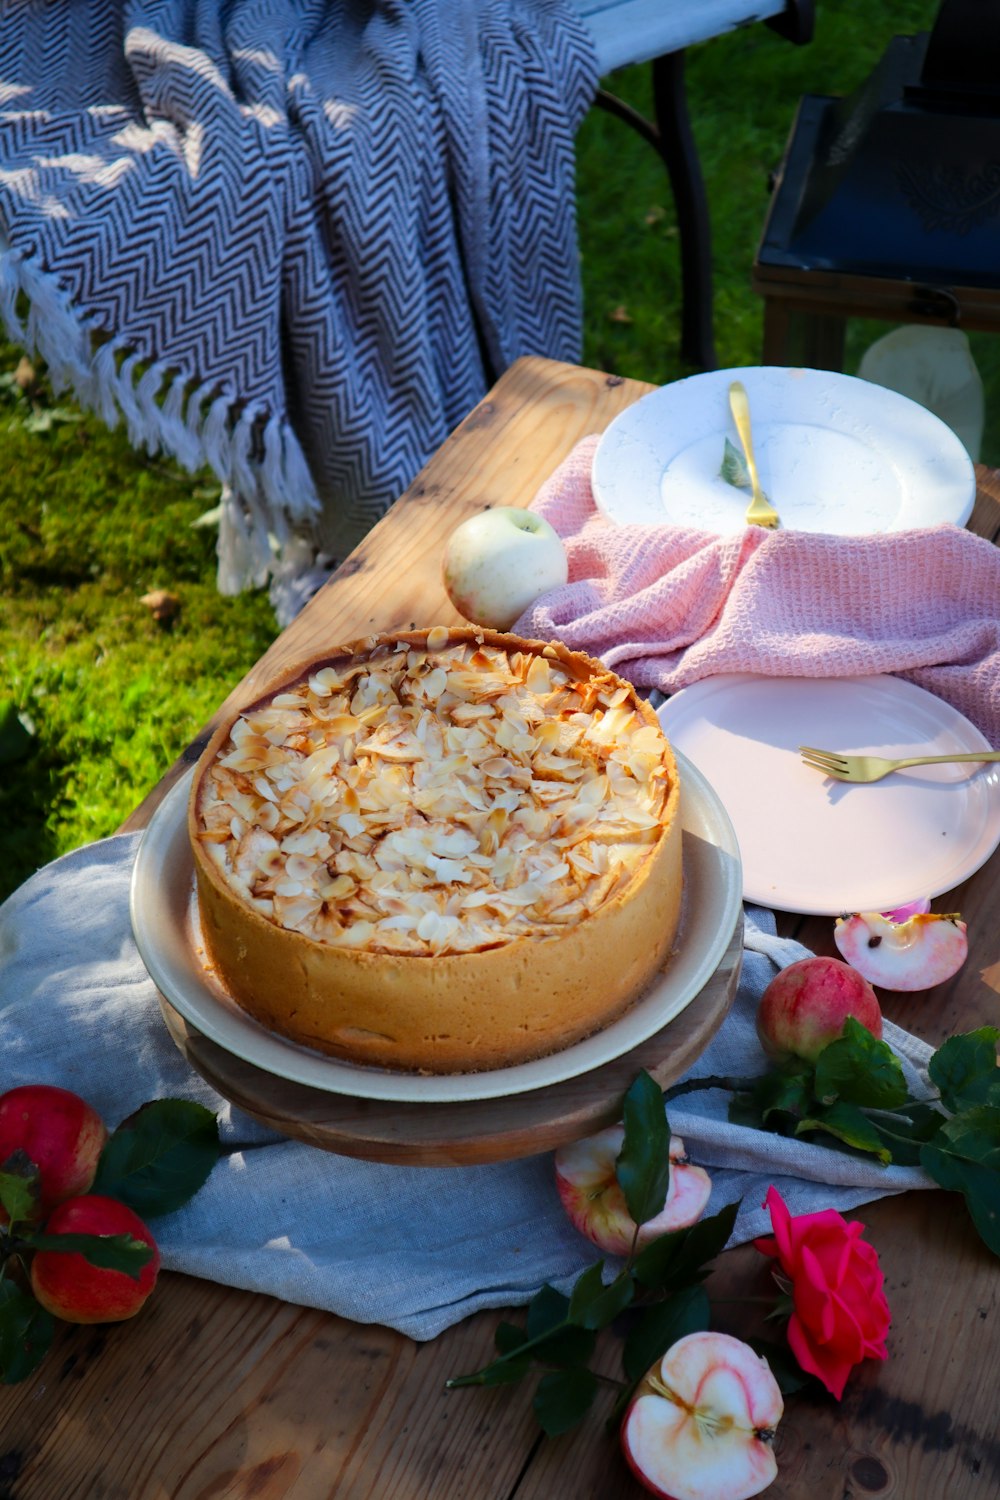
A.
pixel 499 561
pixel 914 954
pixel 59 1132
pixel 591 1196
pixel 702 1422
pixel 69 1287
pixel 805 1006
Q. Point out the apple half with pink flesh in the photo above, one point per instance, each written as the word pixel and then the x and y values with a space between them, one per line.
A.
pixel 595 1203
pixel 900 913
pixel 805 1006
pixel 498 562
pixel 916 954
pixel 702 1423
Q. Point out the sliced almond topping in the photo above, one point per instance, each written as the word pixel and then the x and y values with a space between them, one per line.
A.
pixel 324 682
pixel 377 804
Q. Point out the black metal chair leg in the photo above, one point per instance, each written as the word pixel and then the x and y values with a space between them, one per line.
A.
pixel 677 147
pixel 672 140
pixel 670 135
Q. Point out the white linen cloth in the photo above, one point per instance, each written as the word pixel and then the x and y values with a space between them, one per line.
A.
pixel 415 1248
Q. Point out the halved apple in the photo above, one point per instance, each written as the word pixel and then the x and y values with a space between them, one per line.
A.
pixel 591 1196
pixel 911 909
pixel 702 1422
pixel 913 955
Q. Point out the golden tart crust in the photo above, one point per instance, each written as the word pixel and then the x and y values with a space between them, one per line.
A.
pixel 442 850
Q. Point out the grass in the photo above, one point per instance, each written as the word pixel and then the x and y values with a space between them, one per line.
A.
pixel 106 697
pixel 99 697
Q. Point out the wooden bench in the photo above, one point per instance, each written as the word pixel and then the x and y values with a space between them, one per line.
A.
pixel 626 32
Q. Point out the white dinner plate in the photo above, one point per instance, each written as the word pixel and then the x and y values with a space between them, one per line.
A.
pixel 165 924
pixel 836 454
pixel 811 844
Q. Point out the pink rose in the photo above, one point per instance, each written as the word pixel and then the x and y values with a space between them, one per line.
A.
pixel 840 1313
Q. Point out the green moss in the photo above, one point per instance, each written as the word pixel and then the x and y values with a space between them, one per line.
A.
pixel 111 697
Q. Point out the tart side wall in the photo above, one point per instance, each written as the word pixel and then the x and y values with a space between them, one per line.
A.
pixel 457 1012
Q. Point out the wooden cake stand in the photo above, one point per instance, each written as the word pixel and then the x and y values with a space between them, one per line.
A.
pixel 473 1131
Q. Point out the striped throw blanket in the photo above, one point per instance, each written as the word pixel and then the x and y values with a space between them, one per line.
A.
pixel 292 239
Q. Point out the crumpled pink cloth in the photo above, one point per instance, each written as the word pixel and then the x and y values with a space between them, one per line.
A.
pixel 666 605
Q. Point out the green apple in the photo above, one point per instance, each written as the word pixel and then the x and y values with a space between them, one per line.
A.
pixel 498 562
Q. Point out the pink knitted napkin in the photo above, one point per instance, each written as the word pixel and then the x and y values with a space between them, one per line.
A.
pixel 668 605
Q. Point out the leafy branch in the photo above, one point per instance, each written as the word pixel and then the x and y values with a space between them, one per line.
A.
pixel 653 1300
pixel 855 1098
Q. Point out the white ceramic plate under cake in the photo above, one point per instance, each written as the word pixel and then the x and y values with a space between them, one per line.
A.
pixel 165 924
pixel 811 844
pixel 836 454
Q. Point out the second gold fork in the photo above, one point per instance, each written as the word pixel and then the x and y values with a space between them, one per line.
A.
pixel 874 767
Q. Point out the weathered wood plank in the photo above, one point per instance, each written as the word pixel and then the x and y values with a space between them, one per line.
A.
pixel 217 1394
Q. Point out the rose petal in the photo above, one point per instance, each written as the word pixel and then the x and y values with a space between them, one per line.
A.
pixel 817 1360
pixel 841 1315
pixel 781 1221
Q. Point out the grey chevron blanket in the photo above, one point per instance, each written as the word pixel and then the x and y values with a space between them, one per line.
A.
pixel 292 239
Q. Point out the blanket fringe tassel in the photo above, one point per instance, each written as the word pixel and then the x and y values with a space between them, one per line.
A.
pixel 268 491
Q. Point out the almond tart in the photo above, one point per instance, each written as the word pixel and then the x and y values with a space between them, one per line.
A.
pixel 440 850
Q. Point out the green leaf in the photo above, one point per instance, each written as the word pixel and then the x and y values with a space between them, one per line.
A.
pixel 566 1346
pixel 112 1252
pixel 974 1134
pixel 787 1093
pixel 26 1333
pixel 159 1157
pixel 905 1133
pixel 743 1111
pixel 777 1099
pixel 964 1157
pixel 703 1241
pixel 500 1372
pixel 594 1305
pixel 660 1326
pixel 20 1188
pixel 563 1399
pixel 675 1260
pixel 964 1069
pixel 643 1165
pixel 509 1337
pixel 734 468
pixel 979 1185
pixel 549 1339
pixel 548 1309
pixel 846 1123
pixel 556 1341
pixel 860 1069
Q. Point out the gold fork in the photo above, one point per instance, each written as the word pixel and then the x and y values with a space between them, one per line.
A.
pixel 874 767
pixel 759 512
